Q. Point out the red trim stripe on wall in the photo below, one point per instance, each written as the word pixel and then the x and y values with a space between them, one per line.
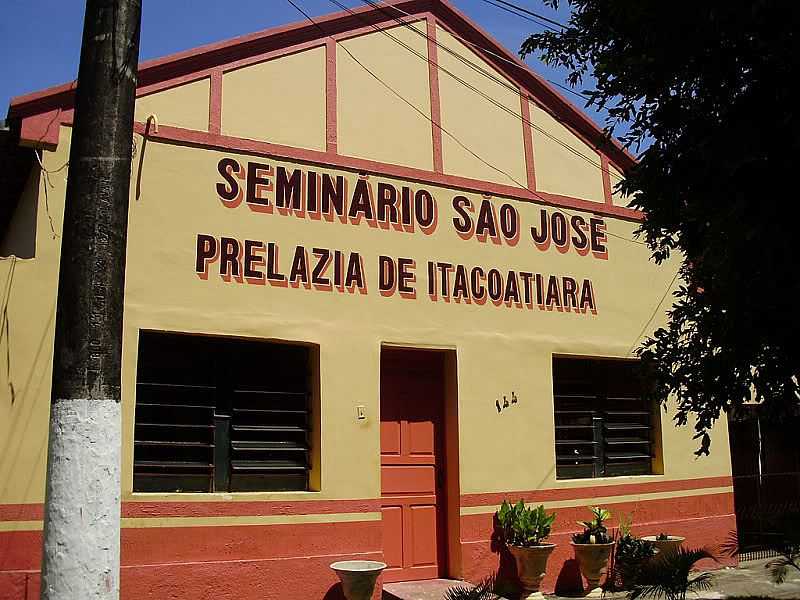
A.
pixel 436 108
pixel 203 139
pixel 527 138
pixel 153 508
pixel 215 102
pixel 598 491
pixel 606 179
pixel 331 110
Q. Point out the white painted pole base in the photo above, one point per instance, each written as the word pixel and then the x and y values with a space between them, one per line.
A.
pixel 80 559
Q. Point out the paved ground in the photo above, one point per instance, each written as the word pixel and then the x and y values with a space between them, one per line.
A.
pixel 750 579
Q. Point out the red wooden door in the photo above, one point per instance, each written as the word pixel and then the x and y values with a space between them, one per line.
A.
pixel 412 391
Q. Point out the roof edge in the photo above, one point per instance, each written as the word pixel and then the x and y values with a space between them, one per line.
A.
pixel 217 53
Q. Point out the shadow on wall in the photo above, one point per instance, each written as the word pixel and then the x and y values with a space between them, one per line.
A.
pixel 569 578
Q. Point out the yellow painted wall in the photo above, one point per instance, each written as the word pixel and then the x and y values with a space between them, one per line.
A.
pixel 498 349
pixel 563 162
pixel 492 133
pixel 280 100
pixel 183 106
pixel 29 301
pixel 374 123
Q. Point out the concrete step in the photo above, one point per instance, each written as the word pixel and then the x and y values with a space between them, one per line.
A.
pixel 426 589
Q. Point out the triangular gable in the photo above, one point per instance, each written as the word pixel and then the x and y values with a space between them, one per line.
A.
pixel 176 79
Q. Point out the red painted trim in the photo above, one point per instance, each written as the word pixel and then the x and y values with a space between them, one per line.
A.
pixel 272 54
pixel 41 130
pixel 527 138
pixel 643 511
pixel 216 54
pixel 203 139
pixel 606 179
pixel 377 27
pixel 331 98
pixel 21 512
pixel 160 86
pixel 215 102
pixel 204 58
pixel 436 109
pixel 211 508
pixel 623 489
pixel 251 508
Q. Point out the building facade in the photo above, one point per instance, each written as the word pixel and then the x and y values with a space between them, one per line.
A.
pixel 378 280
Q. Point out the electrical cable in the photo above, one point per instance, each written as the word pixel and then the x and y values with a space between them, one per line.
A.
pixel 479 70
pixel 396 93
pixel 655 310
pixel 513 6
pixel 47 183
pixel 450 135
pixel 522 16
pixel 496 55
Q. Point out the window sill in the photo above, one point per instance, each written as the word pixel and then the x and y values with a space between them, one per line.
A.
pixel 613 480
pixel 221 496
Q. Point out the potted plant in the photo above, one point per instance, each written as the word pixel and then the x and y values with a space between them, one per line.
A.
pixel 358 577
pixel 630 553
pixel 592 549
pixel 665 543
pixel 524 532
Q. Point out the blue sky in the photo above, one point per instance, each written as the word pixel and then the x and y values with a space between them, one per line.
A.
pixel 40 39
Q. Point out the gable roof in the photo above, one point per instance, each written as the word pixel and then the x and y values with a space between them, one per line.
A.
pixel 184 64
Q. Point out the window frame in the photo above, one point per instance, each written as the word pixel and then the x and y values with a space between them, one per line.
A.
pixel 220 465
pixel 648 411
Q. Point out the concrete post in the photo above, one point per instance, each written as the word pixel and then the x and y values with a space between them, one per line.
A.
pixel 82 505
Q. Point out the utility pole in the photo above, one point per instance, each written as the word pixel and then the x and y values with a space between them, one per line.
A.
pixel 80 559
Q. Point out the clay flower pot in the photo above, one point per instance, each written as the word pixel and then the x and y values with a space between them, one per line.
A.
pixel 671 544
pixel 358 577
pixel 593 561
pixel 531 566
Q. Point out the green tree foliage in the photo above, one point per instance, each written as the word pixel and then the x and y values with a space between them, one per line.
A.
pixel 710 86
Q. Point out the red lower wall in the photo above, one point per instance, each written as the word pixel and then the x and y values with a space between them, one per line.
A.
pixel 291 562
pixel 274 562
pixel 705 521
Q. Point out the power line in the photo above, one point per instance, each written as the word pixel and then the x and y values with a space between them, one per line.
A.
pixel 488 164
pixel 485 50
pixel 420 112
pixel 513 6
pixel 655 310
pixel 477 69
pixel 466 84
pixel 539 22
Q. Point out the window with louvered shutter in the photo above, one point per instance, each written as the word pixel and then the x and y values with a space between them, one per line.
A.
pixel 220 414
pixel 604 427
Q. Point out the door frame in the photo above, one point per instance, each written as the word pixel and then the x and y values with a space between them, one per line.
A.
pixel 449 505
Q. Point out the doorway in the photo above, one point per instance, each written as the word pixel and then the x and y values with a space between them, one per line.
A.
pixel 414 448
